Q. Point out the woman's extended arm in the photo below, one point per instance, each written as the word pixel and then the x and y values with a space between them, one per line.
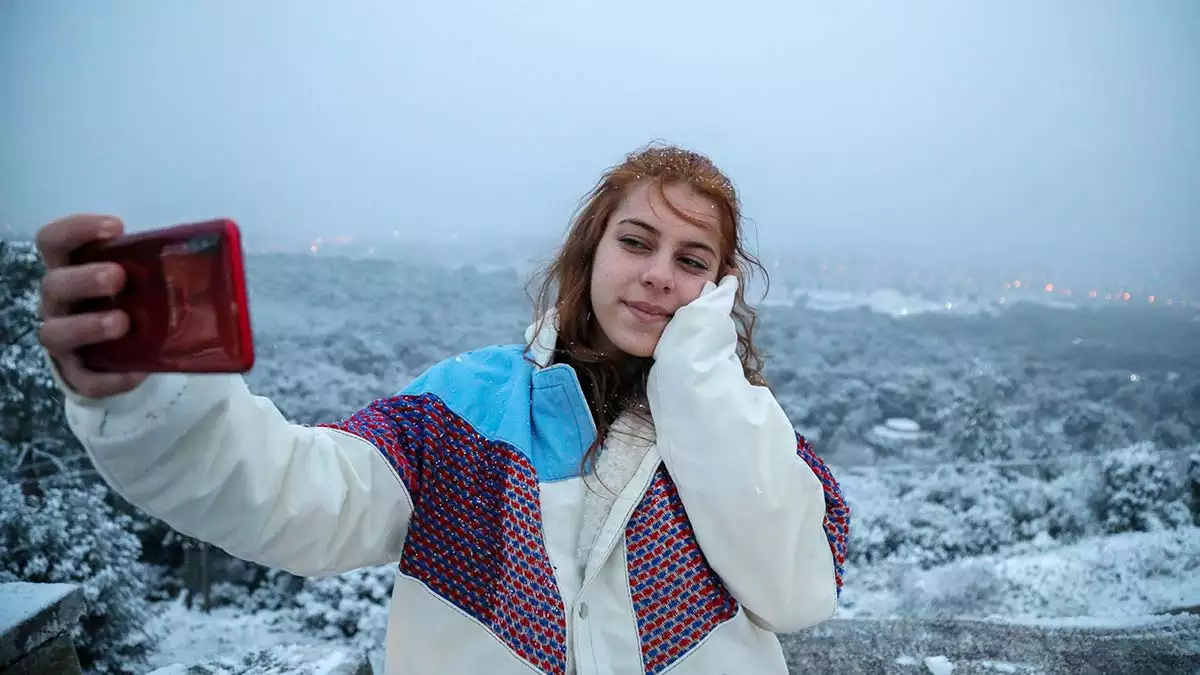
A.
pixel 223 465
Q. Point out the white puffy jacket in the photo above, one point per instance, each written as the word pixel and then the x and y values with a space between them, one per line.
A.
pixel 694 540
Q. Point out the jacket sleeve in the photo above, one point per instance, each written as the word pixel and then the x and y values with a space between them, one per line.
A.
pixel 766 511
pixel 224 466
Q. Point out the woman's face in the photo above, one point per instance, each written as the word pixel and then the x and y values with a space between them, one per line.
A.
pixel 650 262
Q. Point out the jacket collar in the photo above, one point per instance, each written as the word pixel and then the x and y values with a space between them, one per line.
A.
pixel 541 351
pixel 541 345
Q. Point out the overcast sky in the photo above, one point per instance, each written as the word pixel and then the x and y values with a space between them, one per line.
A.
pixel 968 131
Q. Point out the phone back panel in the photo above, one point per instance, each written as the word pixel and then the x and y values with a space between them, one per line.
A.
pixel 185 294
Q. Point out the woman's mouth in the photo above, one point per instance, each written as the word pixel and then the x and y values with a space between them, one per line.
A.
pixel 646 312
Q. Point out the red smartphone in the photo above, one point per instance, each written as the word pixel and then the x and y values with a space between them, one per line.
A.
pixel 185 294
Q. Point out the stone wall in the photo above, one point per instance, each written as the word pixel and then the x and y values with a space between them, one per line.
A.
pixel 1168 644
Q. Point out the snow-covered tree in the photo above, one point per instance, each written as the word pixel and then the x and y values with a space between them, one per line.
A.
pixel 977 429
pixel 1143 491
pixel 71 535
pixel 35 442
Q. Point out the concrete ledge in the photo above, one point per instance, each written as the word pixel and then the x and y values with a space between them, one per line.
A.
pixel 57 656
pixel 902 646
pixel 37 617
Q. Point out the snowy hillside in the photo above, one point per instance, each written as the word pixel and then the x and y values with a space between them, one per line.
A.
pixel 1032 464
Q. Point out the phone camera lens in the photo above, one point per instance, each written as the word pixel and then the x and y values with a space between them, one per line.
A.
pixel 203 243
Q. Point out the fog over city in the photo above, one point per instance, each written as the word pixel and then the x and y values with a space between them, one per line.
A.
pixel 1002 138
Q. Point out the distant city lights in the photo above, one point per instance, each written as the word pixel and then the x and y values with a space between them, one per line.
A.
pixel 1120 296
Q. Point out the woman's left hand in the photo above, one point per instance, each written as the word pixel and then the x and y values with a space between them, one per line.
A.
pixel 704 326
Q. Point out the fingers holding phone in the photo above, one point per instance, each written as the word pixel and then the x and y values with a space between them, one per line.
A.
pixel 63 331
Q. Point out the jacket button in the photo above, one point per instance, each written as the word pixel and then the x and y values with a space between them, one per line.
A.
pixel 583 610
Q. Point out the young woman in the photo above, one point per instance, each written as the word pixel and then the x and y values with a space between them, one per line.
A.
pixel 619 494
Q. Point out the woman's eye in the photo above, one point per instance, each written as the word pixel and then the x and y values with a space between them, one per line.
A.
pixel 694 263
pixel 632 243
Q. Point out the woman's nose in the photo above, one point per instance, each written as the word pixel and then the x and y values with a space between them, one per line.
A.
pixel 659 273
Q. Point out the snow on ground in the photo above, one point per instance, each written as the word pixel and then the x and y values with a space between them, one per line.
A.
pixel 189 636
pixel 292 659
pixel 1109 580
pixel 1113 577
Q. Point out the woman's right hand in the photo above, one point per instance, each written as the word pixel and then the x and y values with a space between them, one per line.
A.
pixel 61 331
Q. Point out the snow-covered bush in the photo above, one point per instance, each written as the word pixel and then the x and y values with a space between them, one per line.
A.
pixel 955 512
pixel 1070 504
pixel 273 590
pixel 71 535
pixel 931 519
pixel 351 605
pixel 1143 491
pixel 961 590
